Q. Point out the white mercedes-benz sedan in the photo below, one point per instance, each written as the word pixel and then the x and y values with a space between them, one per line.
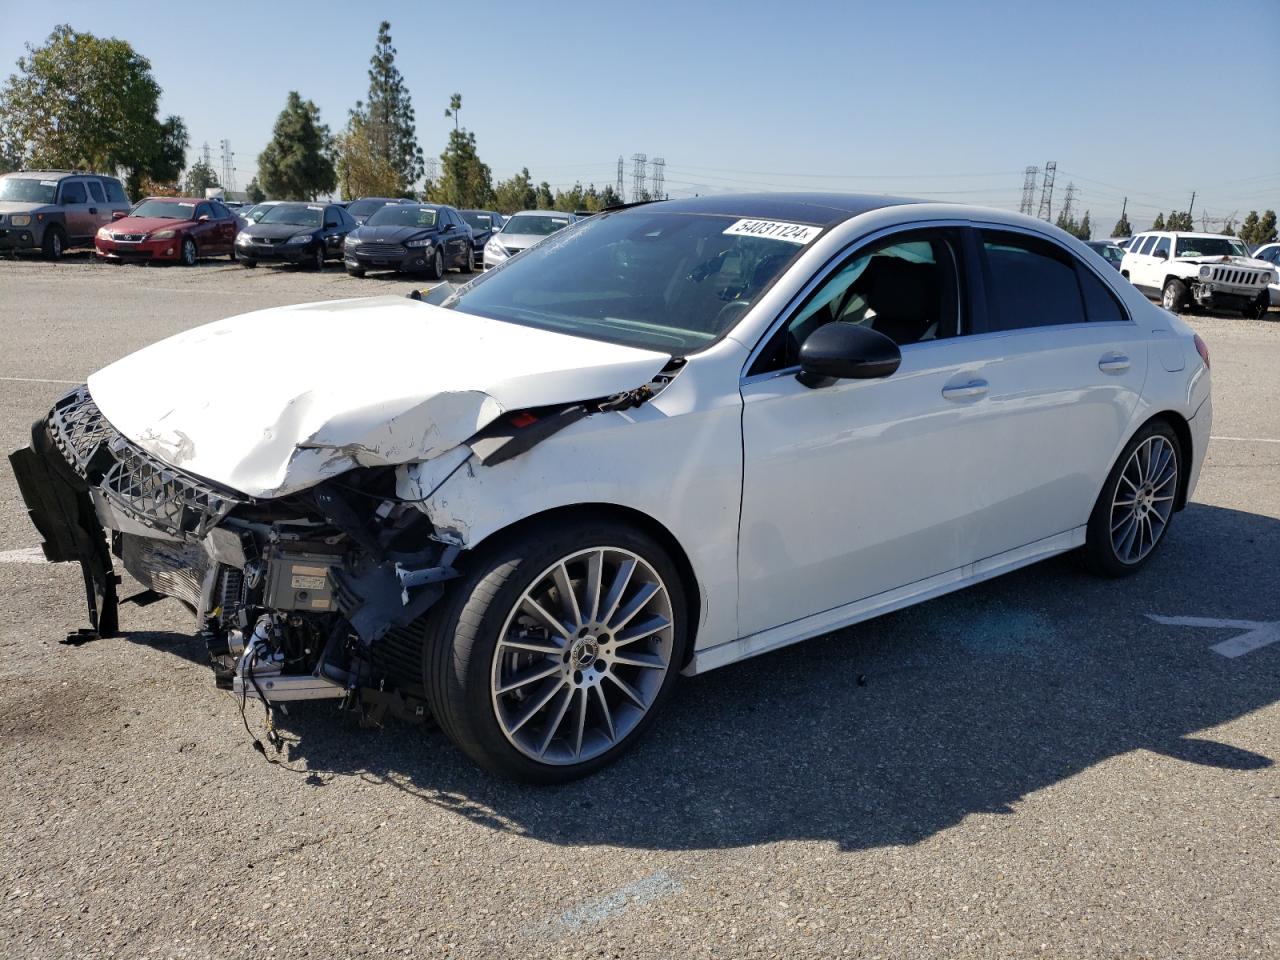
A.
pixel 666 438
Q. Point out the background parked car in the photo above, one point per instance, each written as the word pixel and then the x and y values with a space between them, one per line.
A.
pixel 522 230
pixel 53 210
pixel 426 238
pixel 1108 250
pixel 484 224
pixel 1270 252
pixel 364 208
pixel 306 233
pixel 181 229
pixel 259 210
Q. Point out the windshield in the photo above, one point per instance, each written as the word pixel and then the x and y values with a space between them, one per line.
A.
pixel 362 208
pixel 1210 247
pixel 478 221
pixel 403 215
pixel 298 214
pixel 164 210
pixel 27 189
pixel 535 224
pixel 663 281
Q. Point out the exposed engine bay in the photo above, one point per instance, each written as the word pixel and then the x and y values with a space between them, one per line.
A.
pixel 320 593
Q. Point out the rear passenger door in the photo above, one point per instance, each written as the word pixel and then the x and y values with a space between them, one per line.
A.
pixel 73 198
pixel 1066 368
pixel 99 209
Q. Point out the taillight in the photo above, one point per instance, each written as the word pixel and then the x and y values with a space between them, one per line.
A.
pixel 1203 350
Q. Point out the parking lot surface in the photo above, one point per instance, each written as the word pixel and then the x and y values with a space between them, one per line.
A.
pixel 1044 765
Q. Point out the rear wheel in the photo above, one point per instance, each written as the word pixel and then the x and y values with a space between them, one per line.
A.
pixel 1175 295
pixel 54 243
pixel 1136 505
pixel 552 655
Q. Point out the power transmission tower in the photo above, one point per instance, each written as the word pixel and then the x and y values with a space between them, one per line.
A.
pixel 637 176
pixel 655 181
pixel 618 188
pixel 1028 190
pixel 228 167
pixel 429 168
pixel 1046 190
pixel 204 155
pixel 1065 216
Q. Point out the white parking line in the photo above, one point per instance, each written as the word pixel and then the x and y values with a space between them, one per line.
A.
pixel 37 380
pixel 1258 633
pixel 25 555
pixel 1247 439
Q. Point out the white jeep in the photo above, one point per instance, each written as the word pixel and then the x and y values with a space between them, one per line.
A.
pixel 1190 270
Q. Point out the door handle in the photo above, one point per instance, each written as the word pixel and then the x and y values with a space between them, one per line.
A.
pixel 1114 363
pixel 966 391
pixel 93 209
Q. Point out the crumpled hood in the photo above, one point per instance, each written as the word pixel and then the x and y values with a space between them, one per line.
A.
pixel 272 402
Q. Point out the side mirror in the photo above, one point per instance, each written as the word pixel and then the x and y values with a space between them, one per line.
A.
pixel 846 351
pixel 329 224
pixel 203 218
pixel 447 228
pixel 119 214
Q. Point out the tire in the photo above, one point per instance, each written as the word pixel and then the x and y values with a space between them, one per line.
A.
pixel 1258 309
pixel 435 269
pixel 249 264
pixel 317 259
pixel 1175 295
pixel 53 243
pixel 354 272
pixel 1109 548
pixel 189 253
pixel 465 265
pixel 467 659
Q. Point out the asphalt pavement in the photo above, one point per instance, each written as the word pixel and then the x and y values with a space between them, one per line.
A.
pixel 1032 767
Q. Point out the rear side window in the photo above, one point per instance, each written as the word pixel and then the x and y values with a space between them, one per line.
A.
pixel 1148 244
pixel 219 210
pixel 1162 246
pixel 1100 304
pixel 73 192
pixel 1030 283
pixel 115 192
pixel 95 191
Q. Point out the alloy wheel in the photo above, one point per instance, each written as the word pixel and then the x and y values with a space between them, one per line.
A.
pixel 1143 499
pixel 582 656
pixel 188 253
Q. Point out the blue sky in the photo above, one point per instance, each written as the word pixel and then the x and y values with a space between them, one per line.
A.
pixel 908 96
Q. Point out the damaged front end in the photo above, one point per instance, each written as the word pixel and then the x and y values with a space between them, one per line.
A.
pixel 317 594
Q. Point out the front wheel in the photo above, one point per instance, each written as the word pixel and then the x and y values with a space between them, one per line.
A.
pixel 188 252
pixel 435 269
pixel 317 259
pixel 551 656
pixel 249 264
pixel 464 265
pixel 354 272
pixel 1175 295
pixel 1258 309
pixel 1136 505
pixel 53 244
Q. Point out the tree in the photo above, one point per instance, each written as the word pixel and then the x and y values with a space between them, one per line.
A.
pixel 254 192
pixel 1256 230
pixel 1179 220
pixel 464 180
pixel 1086 228
pixel 515 194
pixel 386 120
pixel 295 164
pixel 543 198
pixel 569 200
pixel 1159 222
pixel 84 102
pixel 1122 228
pixel 361 170
pixel 454 108
pixel 609 197
pixel 200 177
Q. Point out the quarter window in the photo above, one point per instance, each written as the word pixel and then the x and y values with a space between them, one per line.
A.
pixel 73 192
pixel 1100 304
pixel 1030 283
pixel 95 191
pixel 906 287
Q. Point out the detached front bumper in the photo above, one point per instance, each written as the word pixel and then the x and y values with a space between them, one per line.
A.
pixel 1213 296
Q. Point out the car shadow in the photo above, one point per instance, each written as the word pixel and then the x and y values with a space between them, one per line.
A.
pixel 892 731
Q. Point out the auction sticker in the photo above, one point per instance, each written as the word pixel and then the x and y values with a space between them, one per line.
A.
pixel 774 230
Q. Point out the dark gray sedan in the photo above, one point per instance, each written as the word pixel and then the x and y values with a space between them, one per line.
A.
pixel 425 238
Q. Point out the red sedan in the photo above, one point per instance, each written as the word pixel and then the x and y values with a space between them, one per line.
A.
pixel 170 228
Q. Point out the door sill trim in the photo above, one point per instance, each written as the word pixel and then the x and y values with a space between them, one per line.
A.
pixel 848 614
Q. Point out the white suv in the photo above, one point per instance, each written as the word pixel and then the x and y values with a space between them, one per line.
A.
pixel 1186 270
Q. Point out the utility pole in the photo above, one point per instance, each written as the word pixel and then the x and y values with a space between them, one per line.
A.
pixel 1124 207
pixel 1192 205
pixel 228 167
pixel 618 189
pixel 1046 190
pixel 1028 190
pixel 656 181
pixel 638 176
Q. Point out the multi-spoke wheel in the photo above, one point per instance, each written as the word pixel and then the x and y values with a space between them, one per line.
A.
pixel 550 659
pixel 1137 502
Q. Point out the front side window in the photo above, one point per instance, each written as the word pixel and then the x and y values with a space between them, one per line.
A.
pixel 1162 247
pixel 906 287
pixel 673 282
pixel 95 191
pixel 203 211
pixel 1030 283
pixel 115 192
pixel 1149 244
pixel 73 192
